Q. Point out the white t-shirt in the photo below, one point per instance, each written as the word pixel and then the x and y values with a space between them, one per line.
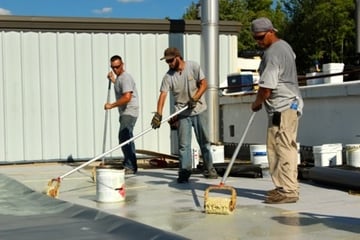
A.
pixel 125 83
pixel 184 85
pixel 278 72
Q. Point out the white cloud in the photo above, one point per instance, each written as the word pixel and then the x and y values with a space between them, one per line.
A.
pixel 130 1
pixel 4 11
pixel 103 10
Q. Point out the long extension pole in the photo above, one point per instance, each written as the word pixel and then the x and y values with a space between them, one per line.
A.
pixel 106 122
pixel 237 150
pixel 120 145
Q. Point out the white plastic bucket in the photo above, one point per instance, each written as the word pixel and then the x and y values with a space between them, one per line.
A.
pixel 353 155
pixel 217 153
pixel 110 185
pixel 327 155
pixel 330 68
pixel 258 155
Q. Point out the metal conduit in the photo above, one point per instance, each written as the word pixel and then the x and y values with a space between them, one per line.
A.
pixel 210 60
pixel 357 21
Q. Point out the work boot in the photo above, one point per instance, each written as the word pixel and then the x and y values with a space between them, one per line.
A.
pixel 184 176
pixel 129 171
pixel 211 173
pixel 272 192
pixel 278 198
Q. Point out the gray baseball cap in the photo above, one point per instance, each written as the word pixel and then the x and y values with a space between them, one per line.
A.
pixel 262 24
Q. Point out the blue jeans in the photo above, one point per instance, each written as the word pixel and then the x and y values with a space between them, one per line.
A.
pixel 127 124
pixel 199 123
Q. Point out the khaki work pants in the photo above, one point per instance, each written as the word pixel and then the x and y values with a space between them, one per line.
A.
pixel 282 153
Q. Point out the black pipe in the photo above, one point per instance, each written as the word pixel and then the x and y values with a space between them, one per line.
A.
pixel 343 178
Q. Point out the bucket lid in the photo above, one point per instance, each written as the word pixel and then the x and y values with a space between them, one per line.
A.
pixel 328 147
pixel 352 146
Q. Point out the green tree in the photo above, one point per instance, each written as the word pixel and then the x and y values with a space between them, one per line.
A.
pixel 191 12
pixel 318 30
pixel 321 30
pixel 243 11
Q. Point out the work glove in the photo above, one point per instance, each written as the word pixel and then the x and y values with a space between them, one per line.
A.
pixel 156 121
pixel 174 123
pixel 192 103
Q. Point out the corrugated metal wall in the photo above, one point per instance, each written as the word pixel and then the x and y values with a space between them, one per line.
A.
pixel 53 87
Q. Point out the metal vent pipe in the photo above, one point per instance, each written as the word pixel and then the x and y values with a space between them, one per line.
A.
pixel 357 21
pixel 210 59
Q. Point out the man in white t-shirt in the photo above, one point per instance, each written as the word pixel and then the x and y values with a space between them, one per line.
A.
pixel 127 102
pixel 187 83
pixel 279 93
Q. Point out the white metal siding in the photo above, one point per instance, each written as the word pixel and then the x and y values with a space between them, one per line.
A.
pixel 53 88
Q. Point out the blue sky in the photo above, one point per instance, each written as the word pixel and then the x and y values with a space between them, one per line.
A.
pixel 156 9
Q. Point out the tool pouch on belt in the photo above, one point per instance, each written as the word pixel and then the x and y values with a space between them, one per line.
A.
pixel 174 123
pixel 276 119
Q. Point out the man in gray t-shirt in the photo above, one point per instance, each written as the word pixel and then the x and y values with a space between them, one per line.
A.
pixel 187 83
pixel 280 94
pixel 127 102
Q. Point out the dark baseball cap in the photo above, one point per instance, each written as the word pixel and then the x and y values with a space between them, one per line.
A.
pixel 170 53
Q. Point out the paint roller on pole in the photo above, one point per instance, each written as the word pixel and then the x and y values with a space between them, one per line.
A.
pixel 54 184
pixel 218 205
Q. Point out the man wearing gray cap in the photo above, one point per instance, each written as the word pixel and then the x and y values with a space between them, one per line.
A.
pixel 280 94
pixel 187 83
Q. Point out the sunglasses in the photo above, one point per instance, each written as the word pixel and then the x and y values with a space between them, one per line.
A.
pixel 116 67
pixel 170 60
pixel 260 37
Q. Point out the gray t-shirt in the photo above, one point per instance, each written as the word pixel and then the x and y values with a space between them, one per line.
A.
pixel 184 85
pixel 125 83
pixel 278 72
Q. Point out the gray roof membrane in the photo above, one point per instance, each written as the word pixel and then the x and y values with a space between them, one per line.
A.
pixel 30 215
